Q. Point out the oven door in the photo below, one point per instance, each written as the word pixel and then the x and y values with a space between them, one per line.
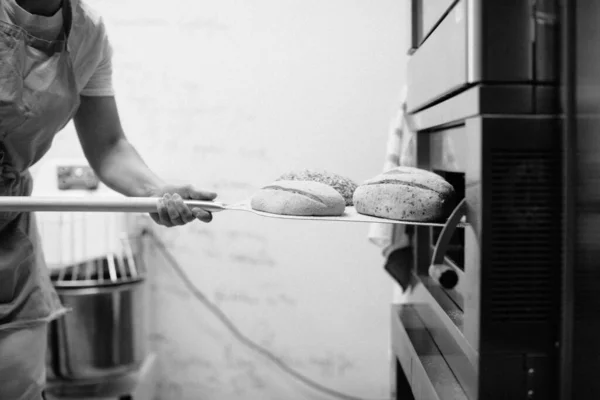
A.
pixel 428 328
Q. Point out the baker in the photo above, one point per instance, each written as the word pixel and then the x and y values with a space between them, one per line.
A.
pixel 55 65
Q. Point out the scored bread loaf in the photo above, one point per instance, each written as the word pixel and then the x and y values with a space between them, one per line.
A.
pixel 343 185
pixel 300 198
pixel 406 193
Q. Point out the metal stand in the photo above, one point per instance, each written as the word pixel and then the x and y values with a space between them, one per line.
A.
pixel 138 385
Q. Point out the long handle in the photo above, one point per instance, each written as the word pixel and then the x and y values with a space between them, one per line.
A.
pixel 94 204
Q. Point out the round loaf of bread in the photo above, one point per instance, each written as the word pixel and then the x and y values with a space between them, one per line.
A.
pixel 406 193
pixel 343 185
pixel 299 198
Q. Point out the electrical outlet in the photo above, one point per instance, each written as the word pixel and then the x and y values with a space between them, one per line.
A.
pixel 77 177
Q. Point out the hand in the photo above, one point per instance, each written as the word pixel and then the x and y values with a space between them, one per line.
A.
pixel 172 211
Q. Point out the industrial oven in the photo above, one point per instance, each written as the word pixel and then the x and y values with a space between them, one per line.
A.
pixel 484 100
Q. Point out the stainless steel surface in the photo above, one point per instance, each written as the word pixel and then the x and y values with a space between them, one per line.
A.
pixel 426 14
pixel 104 335
pixel 109 270
pixel 447 43
pixel 487 100
pixel 433 12
pixel 510 42
pixel 506 52
pixel 499 129
pixel 130 262
pixel 448 149
pixel 568 64
pixel 464 371
pixel 414 27
pixel 474 41
pixel 521 136
pixel 430 374
pixel 139 385
pixel 546 38
pixel 407 355
pixel 516 291
pixel 449 315
pixel 582 303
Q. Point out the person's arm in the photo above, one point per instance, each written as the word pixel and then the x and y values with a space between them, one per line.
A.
pixel 120 167
pixel 109 152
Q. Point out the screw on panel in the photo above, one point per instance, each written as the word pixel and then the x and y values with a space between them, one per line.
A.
pixel 530 394
pixel 530 371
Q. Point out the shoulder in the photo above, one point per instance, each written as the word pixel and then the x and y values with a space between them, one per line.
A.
pixel 86 20
pixel 88 42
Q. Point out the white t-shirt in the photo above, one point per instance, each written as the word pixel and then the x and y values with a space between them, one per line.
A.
pixel 95 78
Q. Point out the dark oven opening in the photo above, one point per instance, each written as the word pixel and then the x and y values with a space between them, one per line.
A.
pixel 456 249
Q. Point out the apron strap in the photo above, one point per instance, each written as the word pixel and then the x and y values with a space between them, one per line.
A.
pixel 67 12
pixel 63 42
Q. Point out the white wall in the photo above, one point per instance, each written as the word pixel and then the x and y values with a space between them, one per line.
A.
pixel 227 95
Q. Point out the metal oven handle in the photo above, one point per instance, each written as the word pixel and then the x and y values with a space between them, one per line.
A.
pixel 443 274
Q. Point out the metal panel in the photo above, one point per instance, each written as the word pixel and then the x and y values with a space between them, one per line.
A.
pixel 482 42
pixel 449 149
pixel 520 245
pixel 430 375
pixel 462 368
pixel 504 42
pixel 485 100
pixel 582 307
pixel 401 345
pixel 447 303
pixel 474 41
pixel 569 172
pixel 427 14
pixel 540 370
pixel 512 244
pixel 400 389
pixel 422 295
pixel 546 39
pixel 433 12
pixel 414 25
pixel 475 215
pixel 439 66
pixel 503 377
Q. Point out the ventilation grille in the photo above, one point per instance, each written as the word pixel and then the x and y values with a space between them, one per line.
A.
pixel 524 235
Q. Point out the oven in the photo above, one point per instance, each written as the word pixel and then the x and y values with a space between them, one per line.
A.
pixel 483 318
pixel 491 332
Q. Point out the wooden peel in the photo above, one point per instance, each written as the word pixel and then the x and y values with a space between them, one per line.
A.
pixel 149 204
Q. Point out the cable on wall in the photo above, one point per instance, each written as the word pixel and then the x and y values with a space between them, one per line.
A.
pixel 235 331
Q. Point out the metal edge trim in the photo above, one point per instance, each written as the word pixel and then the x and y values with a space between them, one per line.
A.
pixel 422 295
pixel 474 48
pixel 404 351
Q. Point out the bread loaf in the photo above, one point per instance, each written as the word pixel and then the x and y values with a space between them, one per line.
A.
pixel 343 185
pixel 300 198
pixel 406 193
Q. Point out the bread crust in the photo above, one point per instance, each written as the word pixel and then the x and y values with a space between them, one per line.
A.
pixel 299 198
pixel 343 185
pixel 406 193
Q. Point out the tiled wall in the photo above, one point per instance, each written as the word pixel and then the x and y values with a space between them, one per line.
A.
pixel 227 95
